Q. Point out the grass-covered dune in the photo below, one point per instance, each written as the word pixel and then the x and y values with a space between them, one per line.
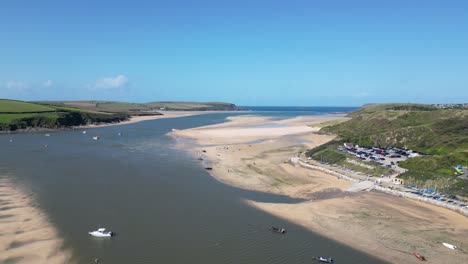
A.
pixel 441 133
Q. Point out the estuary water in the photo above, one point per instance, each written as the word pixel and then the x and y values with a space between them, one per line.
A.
pixel 164 207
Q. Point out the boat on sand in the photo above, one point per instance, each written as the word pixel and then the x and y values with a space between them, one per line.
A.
pixel 449 245
pixel 419 256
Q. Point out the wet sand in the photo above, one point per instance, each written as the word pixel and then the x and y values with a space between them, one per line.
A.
pixel 252 152
pixel 26 235
pixel 165 114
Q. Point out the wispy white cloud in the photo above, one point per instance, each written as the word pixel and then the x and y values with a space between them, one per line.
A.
pixel 48 83
pixel 16 85
pixel 110 83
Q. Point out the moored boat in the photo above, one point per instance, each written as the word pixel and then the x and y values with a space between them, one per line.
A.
pixel 278 230
pixel 96 137
pixel 101 232
pixel 324 260
pixel 419 256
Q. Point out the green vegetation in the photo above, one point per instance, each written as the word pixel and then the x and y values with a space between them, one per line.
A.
pixel 11 106
pixel 21 115
pixel 55 114
pixel 435 131
pixel 441 133
pixel 192 106
pixel 139 108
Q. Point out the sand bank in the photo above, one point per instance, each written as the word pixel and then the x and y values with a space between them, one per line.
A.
pixel 253 153
pixel 26 236
pixel 165 114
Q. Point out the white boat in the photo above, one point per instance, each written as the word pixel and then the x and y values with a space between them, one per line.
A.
pixel 96 137
pixel 101 232
pixel 84 132
pixel 449 245
pixel 47 135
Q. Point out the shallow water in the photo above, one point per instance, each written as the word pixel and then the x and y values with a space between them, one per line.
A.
pixel 163 205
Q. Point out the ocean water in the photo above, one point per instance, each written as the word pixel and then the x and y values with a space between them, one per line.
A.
pixel 281 112
pixel 163 205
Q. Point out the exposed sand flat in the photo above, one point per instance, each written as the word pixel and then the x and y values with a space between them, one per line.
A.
pixel 252 153
pixel 165 114
pixel 26 237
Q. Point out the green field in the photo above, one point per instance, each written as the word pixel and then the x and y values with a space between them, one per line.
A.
pixel 22 115
pixel 441 133
pixel 55 114
pixel 11 106
pixel 133 108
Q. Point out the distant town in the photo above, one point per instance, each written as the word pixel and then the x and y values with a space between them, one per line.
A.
pixel 451 106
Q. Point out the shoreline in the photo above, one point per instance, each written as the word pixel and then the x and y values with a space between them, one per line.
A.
pixel 131 120
pixel 252 152
pixel 27 237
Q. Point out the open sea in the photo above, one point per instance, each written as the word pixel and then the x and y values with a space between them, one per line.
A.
pixel 164 207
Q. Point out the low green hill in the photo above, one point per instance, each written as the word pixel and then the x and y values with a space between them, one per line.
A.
pixel 54 114
pixel 12 106
pixel 441 133
pixel 134 108
pixel 192 106
pixel 16 115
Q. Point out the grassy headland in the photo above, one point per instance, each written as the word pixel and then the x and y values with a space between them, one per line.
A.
pixel 16 115
pixel 441 133
pixel 140 108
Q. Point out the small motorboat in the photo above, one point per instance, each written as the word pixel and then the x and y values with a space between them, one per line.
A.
pixel 324 260
pixel 84 132
pixel 96 137
pixel 101 232
pixel 119 134
pixel 47 135
pixel 449 245
pixel 278 230
pixel 419 256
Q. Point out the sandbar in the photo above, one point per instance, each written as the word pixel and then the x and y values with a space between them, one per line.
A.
pixel 253 152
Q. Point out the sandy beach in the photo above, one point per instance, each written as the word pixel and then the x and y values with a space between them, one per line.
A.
pixel 252 152
pixel 26 235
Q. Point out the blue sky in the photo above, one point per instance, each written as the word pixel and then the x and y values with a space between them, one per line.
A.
pixel 321 52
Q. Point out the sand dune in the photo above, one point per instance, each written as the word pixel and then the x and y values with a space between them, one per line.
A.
pixel 26 236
